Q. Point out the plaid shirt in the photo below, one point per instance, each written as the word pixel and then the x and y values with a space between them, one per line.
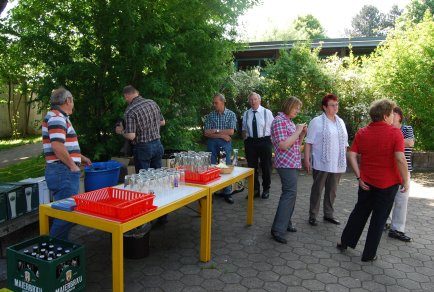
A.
pixel 281 129
pixel 225 120
pixel 143 117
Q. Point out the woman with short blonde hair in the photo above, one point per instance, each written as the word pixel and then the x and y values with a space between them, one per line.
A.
pixel 287 138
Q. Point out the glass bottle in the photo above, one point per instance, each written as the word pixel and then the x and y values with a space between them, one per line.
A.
pixel 235 159
pixel 222 156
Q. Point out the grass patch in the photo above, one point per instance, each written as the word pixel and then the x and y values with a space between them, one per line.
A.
pixel 11 143
pixel 32 167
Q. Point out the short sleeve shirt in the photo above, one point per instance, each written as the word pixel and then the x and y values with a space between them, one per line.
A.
pixel 56 127
pixel 264 118
pixel 407 131
pixel 315 138
pixel 377 144
pixel 225 120
pixel 143 117
pixel 282 128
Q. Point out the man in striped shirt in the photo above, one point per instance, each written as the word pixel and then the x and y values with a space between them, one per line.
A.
pixel 62 154
pixel 219 126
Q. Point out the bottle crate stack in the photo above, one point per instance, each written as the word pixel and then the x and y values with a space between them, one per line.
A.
pixel 46 264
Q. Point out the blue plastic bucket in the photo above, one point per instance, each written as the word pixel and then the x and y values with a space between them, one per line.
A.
pixel 101 175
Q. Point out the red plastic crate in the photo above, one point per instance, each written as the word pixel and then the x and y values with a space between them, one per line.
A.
pixel 202 177
pixel 115 204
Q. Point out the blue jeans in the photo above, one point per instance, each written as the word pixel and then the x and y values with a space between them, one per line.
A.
pixel 214 145
pixel 282 219
pixel 62 183
pixel 148 155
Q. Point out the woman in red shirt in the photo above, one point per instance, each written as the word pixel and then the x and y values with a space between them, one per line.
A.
pixel 383 168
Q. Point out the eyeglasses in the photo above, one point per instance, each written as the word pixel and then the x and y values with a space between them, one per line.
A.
pixel 333 104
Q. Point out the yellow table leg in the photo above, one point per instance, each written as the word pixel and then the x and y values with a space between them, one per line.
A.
pixel 205 228
pixel 250 200
pixel 118 260
pixel 43 222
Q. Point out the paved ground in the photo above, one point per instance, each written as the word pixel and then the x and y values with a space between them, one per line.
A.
pixel 247 259
pixel 17 154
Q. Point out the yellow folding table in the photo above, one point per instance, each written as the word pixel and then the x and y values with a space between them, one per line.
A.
pixel 239 173
pixel 181 196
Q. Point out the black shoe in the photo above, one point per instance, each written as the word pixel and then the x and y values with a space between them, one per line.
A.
pixel 370 259
pixel 332 220
pixel 277 237
pixel 341 246
pixel 291 229
pixel 229 199
pixel 399 235
pixel 312 221
pixel 266 194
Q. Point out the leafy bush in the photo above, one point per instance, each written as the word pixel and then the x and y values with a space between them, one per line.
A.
pixel 402 69
pixel 297 73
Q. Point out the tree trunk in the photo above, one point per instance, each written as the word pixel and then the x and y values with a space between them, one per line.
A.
pixel 10 98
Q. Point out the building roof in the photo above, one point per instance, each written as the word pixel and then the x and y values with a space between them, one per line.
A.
pixel 325 43
pixel 254 54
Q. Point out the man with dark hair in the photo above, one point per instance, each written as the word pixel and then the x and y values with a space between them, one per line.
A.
pixel 62 154
pixel 143 120
pixel 219 126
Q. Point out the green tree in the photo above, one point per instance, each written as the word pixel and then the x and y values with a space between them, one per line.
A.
pixel 298 72
pixel 390 19
pixel 402 69
pixel 355 94
pixel 177 52
pixel 308 28
pixel 416 9
pixel 239 85
pixel 367 23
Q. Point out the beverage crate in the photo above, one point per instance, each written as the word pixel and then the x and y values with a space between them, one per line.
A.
pixel 210 175
pixel 64 272
pixel 115 204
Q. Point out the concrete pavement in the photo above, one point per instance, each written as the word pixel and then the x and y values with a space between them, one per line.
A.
pixel 20 153
pixel 247 259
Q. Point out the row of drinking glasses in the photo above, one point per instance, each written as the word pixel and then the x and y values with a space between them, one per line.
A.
pixel 193 161
pixel 159 181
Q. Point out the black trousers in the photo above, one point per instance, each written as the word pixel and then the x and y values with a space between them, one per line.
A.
pixel 259 149
pixel 378 202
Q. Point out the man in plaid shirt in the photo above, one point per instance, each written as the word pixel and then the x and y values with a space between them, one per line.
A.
pixel 143 120
pixel 219 126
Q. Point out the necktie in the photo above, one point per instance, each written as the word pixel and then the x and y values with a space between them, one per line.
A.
pixel 254 126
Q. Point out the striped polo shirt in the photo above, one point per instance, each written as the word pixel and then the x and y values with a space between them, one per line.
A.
pixel 407 131
pixel 57 127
